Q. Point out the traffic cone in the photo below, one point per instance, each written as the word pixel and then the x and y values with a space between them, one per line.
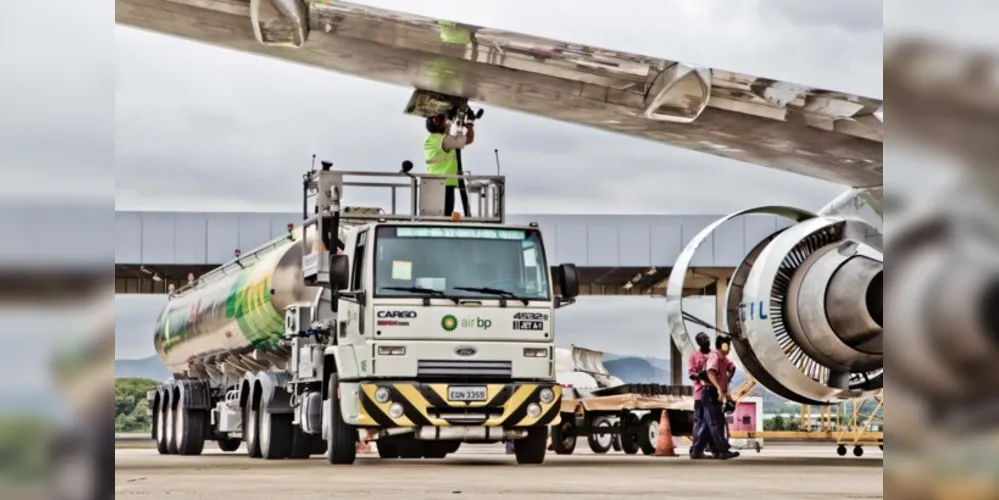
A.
pixel 665 447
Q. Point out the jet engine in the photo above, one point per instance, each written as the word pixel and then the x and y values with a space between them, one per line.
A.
pixel 803 308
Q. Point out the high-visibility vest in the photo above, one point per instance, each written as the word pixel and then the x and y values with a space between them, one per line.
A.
pixel 440 162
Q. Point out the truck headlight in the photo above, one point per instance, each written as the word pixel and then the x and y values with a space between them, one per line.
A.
pixel 533 410
pixel 382 395
pixel 396 410
pixel 389 350
pixel 547 395
pixel 534 352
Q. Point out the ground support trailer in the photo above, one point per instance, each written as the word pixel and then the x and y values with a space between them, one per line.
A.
pixel 625 418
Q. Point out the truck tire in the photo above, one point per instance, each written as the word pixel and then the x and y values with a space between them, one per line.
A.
pixel 563 437
pixel 648 434
pixel 341 437
pixel 532 448
pixel 191 426
pixel 251 428
pixel 600 443
pixel 228 444
pixel 302 444
pixel 410 448
pixel 275 435
pixel 171 429
pixel 161 428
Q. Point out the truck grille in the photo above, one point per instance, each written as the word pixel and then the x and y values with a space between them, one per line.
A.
pixel 464 369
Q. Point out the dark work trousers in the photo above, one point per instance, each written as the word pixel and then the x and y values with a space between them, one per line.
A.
pixel 449 200
pixel 712 426
pixel 699 423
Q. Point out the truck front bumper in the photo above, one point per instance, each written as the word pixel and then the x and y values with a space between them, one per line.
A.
pixel 413 404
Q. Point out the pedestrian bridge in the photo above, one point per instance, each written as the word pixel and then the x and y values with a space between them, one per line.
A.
pixel 615 254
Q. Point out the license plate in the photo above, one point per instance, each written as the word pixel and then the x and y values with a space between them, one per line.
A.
pixel 466 393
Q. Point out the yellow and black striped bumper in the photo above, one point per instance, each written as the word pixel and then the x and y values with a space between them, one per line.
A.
pixel 506 405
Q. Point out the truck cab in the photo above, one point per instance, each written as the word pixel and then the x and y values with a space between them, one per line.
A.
pixel 442 328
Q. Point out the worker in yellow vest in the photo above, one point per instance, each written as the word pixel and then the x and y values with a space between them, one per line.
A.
pixel 439 151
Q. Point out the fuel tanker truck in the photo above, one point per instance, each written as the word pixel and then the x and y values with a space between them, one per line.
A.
pixel 409 328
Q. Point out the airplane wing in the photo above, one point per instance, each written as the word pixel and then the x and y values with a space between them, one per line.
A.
pixel 815 132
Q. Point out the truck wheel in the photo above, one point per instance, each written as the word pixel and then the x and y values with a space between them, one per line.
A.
pixel 302 444
pixel 191 431
pixel 563 437
pixel 648 434
pixel 532 448
pixel 341 438
pixel 600 443
pixel 275 435
pixel 228 444
pixel 171 430
pixel 161 428
pixel 251 426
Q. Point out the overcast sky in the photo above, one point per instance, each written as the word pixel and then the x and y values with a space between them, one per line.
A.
pixel 207 129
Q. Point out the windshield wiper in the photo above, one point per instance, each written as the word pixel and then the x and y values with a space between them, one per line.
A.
pixel 419 289
pixel 494 291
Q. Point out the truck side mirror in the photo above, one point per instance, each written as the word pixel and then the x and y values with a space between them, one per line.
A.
pixel 339 271
pixel 568 280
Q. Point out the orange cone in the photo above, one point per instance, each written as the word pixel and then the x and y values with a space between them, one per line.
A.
pixel 665 447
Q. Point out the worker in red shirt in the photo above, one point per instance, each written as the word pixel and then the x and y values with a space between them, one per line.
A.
pixel 699 378
pixel 719 370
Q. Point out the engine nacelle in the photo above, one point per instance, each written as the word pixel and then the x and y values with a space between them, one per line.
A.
pixel 804 308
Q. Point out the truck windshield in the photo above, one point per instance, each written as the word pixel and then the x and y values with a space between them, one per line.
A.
pixel 498 262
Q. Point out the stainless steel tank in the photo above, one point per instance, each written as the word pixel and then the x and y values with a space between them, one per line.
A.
pixel 234 310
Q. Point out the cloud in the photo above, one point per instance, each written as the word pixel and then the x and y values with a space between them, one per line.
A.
pixel 203 128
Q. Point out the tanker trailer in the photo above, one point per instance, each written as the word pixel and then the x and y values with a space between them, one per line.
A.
pixel 214 332
pixel 421 332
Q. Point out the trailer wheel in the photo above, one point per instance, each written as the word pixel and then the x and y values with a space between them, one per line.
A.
pixel 600 443
pixel 629 434
pixel 161 427
pixel 532 448
pixel 648 433
pixel 171 428
pixel 228 444
pixel 275 435
pixel 251 428
pixel 190 431
pixel 341 437
pixel 564 437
